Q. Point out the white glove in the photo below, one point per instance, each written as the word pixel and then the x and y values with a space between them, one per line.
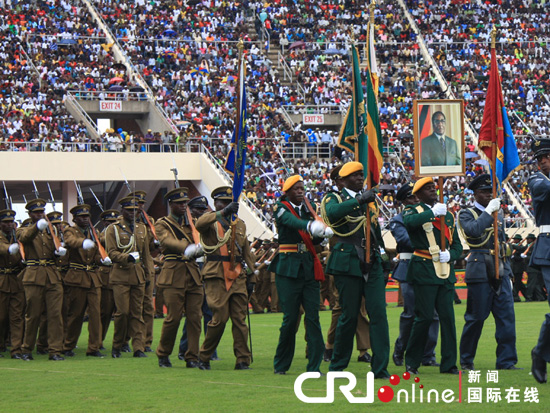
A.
pixel 135 256
pixel 267 262
pixel 107 261
pixel 494 205
pixel 88 244
pixel 156 242
pixel 13 248
pixel 190 251
pixel 444 256
pixel 316 229
pixel 523 256
pixel 328 232
pixel 257 264
pixel 42 224
pixel 439 209
pixel 61 252
pixel 256 272
pixel 200 251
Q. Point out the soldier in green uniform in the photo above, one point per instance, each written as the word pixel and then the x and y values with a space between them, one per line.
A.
pixel 42 282
pixel 127 244
pixel 83 283
pixel 107 304
pixel 297 280
pixel 180 280
pixel 226 292
pixel 431 273
pixel 12 295
pixel 354 278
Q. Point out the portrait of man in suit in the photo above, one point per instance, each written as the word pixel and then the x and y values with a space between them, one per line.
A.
pixel 439 149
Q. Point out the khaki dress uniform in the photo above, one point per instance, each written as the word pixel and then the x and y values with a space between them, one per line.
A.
pixel 84 286
pixel 107 303
pixel 12 294
pixel 42 284
pixel 181 283
pixel 223 303
pixel 128 277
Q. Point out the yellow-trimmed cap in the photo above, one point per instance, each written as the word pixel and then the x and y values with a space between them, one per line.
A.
pixel 37 204
pixel 177 195
pixel 109 215
pixel 139 195
pixel 81 210
pixel 223 193
pixel 291 181
pixel 55 217
pixel 421 182
pixel 7 215
pixel 129 202
pixel 350 168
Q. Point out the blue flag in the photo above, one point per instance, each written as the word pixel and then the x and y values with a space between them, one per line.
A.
pixel 236 158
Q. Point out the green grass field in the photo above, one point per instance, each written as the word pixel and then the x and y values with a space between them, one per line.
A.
pixel 128 384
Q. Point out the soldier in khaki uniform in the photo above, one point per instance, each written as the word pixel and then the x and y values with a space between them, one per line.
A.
pixel 42 282
pixel 127 244
pixel 225 303
pixel 180 280
pixel 107 303
pixel 83 283
pixel 12 295
pixel 148 307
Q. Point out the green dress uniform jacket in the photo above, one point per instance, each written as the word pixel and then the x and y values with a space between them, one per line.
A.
pixel 12 295
pixel 296 287
pixel 346 263
pixel 181 281
pixel 431 292
pixel 223 303
pixel 84 290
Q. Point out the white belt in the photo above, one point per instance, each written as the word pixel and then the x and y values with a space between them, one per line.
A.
pixel 544 228
pixel 405 255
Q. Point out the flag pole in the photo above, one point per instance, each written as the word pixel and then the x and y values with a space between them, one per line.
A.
pixel 494 173
pixel 236 197
pixel 369 178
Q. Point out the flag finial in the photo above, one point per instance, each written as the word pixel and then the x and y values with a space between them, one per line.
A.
pixel 372 5
pixel 493 36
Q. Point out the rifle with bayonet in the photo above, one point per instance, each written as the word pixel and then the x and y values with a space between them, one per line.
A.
pixel 53 232
pixel 93 231
pixel 195 233
pixel 9 204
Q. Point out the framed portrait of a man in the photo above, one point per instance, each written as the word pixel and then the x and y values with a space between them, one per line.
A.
pixel 439 137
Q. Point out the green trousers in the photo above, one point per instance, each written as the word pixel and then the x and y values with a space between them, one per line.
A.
pixel 295 292
pixel 351 289
pixel 427 298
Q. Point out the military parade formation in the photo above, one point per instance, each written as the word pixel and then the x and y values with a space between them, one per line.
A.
pixel 200 262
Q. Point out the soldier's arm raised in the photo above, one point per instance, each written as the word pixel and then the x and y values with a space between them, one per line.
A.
pixel 167 240
pixel 71 238
pixel 148 264
pixel 472 227
pixel 205 222
pixel 27 234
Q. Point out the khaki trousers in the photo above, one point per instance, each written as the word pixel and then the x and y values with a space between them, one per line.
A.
pixel 225 304
pixel 12 310
pixel 107 308
pixel 128 315
pixel 79 300
pixel 38 299
pixel 148 314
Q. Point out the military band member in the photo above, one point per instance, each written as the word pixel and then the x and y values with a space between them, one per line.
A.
pixel 41 281
pixel 353 276
pixel 12 295
pixel 539 187
pixel 148 307
pixel 405 250
pixel 486 294
pixel 297 280
pixel 180 280
pixel 431 273
pixel 127 244
pixel 226 295
pixel 107 304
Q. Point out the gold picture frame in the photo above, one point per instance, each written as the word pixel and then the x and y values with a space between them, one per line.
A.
pixel 439 144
